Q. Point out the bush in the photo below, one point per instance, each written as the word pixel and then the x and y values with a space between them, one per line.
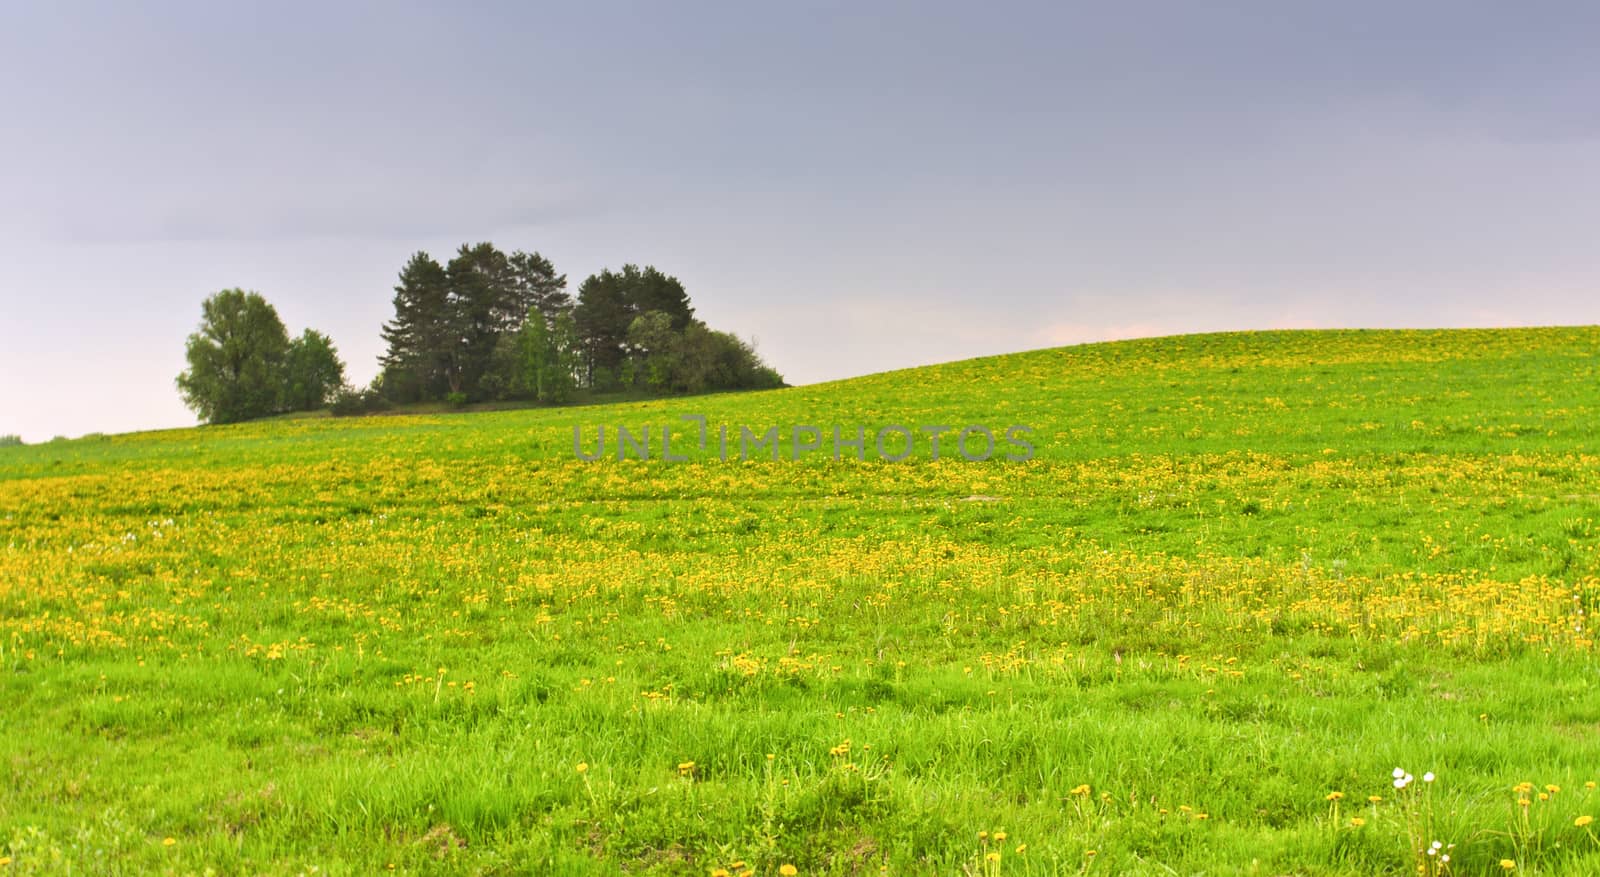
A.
pixel 10 441
pixel 456 399
pixel 399 386
pixel 351 402
pixel 765 378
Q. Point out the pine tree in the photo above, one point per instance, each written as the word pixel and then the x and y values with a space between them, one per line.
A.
pixel 610 301
pixel 536 286
pixel 421 337
pixel 481 305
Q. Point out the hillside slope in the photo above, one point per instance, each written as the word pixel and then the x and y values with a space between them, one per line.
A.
pixel 1240 572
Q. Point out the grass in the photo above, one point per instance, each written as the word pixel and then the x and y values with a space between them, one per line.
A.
pixel 1244 577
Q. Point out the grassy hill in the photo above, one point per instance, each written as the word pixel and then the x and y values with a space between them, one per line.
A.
pixel 1242 578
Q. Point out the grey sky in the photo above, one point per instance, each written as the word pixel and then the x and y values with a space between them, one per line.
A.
pixel 858 185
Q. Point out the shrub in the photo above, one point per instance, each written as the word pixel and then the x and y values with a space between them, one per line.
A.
pixel 10 441
pixel 352 402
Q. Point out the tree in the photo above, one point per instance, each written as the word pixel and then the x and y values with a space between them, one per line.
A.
pixel 609 302
pixel 545 357
pixel 536 355
pixel 421 337
pixel 733 364
pixel 656 351
pixel 535 285
pixel 482 309
pixel 565 349
pixel 602 318
pixel 651 290
pixel 312 372
pixel 236 359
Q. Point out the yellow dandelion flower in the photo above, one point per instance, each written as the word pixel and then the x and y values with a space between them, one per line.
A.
pixel 1373 799
pixel 788 870
pixel 1583 820
pixel 1082 790
pixel 1334 796
pixel 1508 864
pixel 1357 822
pixel 168 841
pixel 583 767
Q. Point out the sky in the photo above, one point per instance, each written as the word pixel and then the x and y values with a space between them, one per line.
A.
pixel 857 186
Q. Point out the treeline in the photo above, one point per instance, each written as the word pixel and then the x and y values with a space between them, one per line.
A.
pixel 243 364
pixel 487 326
pixel 491 326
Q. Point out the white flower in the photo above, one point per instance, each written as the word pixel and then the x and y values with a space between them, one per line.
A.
pixel 1438 845
pixel 1399 772
pixel 1428 777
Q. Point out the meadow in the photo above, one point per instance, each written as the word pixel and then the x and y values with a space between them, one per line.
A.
pixel 1242 581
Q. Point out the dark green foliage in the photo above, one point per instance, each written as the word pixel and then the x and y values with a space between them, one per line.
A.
pixel 455 326
pixel 603 315
pixel 242 364
pixel 10 441
pixel 313 372
pixel 236 359
pixel 698 359
pixel 420 337
pixel 491 326
pixel 349 401
pixel 482 298
pixel 537 286
pixel 610 301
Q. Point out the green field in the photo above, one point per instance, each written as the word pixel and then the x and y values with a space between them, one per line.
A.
pixel 1243 579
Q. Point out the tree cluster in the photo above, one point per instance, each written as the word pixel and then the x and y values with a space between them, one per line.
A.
pixel 486 326
pixel 489 326
pixel 243 364
pixel 457 328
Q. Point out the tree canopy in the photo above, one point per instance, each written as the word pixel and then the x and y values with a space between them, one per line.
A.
pixel 493 326
pixel 312 372
pixel 483 326
pixel 242 364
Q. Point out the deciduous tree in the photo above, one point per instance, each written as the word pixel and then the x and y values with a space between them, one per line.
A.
pixel 236 359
